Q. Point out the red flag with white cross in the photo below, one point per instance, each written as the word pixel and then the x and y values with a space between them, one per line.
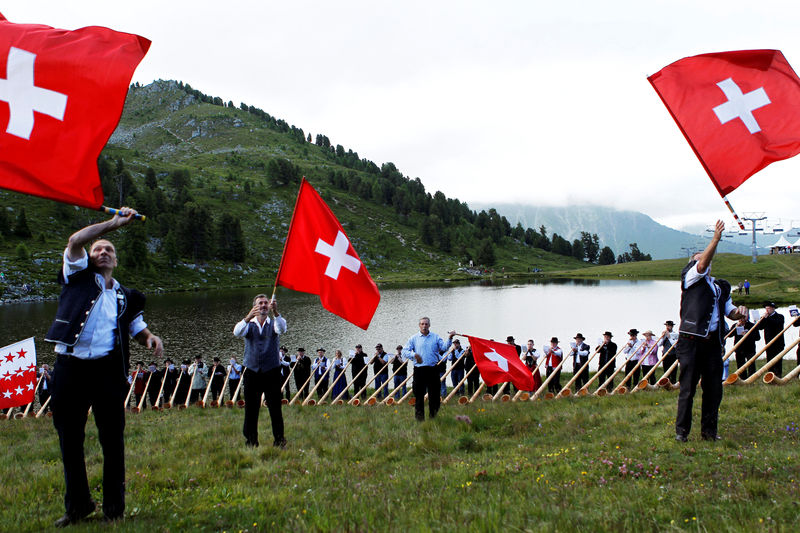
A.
pixel 17 374
pixel 319 259
pixel 498 363
pixel 61 96
pixel 739 111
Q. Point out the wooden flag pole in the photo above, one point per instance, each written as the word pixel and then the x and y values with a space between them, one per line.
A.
pixel 112 211
pixel 730 208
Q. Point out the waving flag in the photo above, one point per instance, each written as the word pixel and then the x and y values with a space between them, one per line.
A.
pixel 319 259
pixel 740 111
pixel 17 374
pixel 61 96
pixel 499 363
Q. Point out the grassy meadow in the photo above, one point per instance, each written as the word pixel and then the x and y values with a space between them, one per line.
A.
pixel 576 464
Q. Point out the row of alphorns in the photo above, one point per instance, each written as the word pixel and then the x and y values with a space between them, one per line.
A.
pixel 664 382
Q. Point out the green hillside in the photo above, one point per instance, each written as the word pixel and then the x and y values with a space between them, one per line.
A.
pixel 218 184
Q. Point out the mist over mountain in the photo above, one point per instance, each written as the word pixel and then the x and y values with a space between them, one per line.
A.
pixel 615 228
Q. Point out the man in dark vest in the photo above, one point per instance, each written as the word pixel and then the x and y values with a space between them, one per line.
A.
pixel 705 302
pixel 747 349
pixel 772 324
pixel 668 339
pixel 95 318
pixel 356 366
pixel 608 356
pixel 261 330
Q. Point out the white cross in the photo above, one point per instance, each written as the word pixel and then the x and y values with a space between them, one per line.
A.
pixel 741 105
pixel 24 97
pixel 338 256
pixel 501 361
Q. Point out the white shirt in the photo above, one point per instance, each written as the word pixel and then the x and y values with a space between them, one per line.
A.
pixel 97 338
pixel 692 277
pixel 279 326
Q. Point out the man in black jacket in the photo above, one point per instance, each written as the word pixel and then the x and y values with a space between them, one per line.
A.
pixel 747 349
pixel 95 318
pixel 772 324
pixel 705 302
pixel 608 352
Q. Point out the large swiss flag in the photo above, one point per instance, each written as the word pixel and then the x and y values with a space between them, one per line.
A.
pixel 740 111
pixel 61 96
pixel 498 363
pixel 17 374
pixel 319 259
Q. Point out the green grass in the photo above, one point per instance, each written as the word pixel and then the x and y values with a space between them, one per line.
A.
pixel 578 464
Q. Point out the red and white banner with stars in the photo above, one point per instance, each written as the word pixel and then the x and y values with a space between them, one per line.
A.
pixel 17 374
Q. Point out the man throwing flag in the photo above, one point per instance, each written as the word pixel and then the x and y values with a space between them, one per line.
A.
pixel 95 317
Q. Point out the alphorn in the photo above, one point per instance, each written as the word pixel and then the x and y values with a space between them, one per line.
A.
pixel 770 377
pixel 168 405
pixel 477 392
pixel 335 381
pixel 769 364
pixel 460 383
pixel 389 400
pixel 43 407
pixel 130 390
pixel 338 399
pixel 218 401
pixel 300 389
pixel 406 395
pixel 524 396
pixel 733 378
pixel 208 388
pixel 500 394
pixel 138 408
pixel 601 390
pixel 458 386
pixel 27 409
pixel 233 401
pixel 356 400
pixel 622 389
pixel 372 400
pixel 552 375
pixel 664 381
pixel 310 400
pixel 747 334
pixel 286 382
pixel 585 389
pixel 185 404
pixel 161 390
pixel 644 383
pixel 566 390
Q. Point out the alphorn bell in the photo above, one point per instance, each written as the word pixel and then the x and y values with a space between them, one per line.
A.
pixel 300 390
pixel 338 400
pixel 769 364
pixel 770 377
pixel 477 392
pixel 664 381
pixel 233 401
pixel 372 400
pixel 458 386
pixel 601 390
pixel 733 378
pixel 389 400
pixel 566 390
pixel 524 396
pixel 208 389
pixel 645 383
pixel 43 407
pixel 356 400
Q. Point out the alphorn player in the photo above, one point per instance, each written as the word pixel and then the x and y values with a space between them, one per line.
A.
pixel 95 317
pixel 705 301
pixel 425 349
pixel 261 330
pixel 608 352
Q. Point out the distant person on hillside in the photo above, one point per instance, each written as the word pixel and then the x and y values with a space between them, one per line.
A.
pixel 705 301
pixel 261 329
pixel 746 287
pixel 425 349
pixel 747 349
pixel 608 352
pixel 772 324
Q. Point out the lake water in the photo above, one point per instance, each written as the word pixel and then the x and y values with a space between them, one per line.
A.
pixel 202 322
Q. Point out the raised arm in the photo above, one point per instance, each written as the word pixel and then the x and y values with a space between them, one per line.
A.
pixel 82 237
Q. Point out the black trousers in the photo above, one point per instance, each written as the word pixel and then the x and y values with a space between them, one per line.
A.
pixel 255 384
pixel 607 373
pixel 100 384
pixel 473 382
pixel 426 380
pixel 233 384
pixel 777 368
pixel 582 376
pixel 699 358
pixel 645 370
pixel 634 379
pixel 741 360
pixel 359 383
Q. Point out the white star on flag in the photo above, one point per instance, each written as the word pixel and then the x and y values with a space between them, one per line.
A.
pixel 6 394
pixel 498 359
pixel 30 385
pixel 19 390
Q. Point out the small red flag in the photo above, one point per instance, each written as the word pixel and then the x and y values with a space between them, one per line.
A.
pixel 61 96
pixel 17 374
pixel 740 111
pixel 319 259
pixel 499 363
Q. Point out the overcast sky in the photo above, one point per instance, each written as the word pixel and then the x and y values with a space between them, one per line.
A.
pixel 503 101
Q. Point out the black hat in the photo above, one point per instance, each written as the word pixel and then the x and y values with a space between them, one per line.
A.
pixel 141 363
pixel 152 363
pixel 301 350
pixel 320 349
pixel 608 333
pixel 358 346
pixel 379 345
pixel 669 323
pixel 399 347
pixel 770 304
pixel 580 336
pixel 216 359
pixel 509 339
pixel 284 348
pixel 634 331
pixel 186 362
pixel 198 356
pixel 554 339
pixel 457 341
pixel 167 360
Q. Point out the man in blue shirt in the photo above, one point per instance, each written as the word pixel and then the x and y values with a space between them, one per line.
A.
pixel 424 349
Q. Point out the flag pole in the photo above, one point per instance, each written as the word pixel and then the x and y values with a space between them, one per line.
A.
pixel 730 208
pixel 137 216
pixel 289 232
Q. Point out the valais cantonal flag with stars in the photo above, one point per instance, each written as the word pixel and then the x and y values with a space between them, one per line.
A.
pixel 319 259
pixel 61 96
pixel 740 111
pixel 499 363
pixel 17 374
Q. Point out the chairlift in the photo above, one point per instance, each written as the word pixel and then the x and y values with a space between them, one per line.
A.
pixel 743 233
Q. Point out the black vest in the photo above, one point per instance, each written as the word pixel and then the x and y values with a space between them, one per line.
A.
pixel 78 298
pixel 697 305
